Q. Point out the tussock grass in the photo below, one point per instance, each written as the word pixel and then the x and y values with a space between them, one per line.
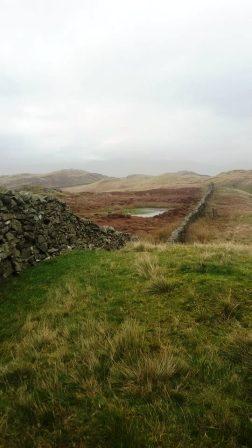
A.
pixel 147 266
pixel 220 248
pixel 129 341
pixel 144 246
pixel 117 427
pixel 200 232
pixel 229 306
pixel 162 285
pixel 239 348
pixel 150 374
pixel 88 359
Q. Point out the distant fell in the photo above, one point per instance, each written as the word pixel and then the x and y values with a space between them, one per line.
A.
pixel 239 179
pixel 143 182
pixel 76 181
pixel 55 179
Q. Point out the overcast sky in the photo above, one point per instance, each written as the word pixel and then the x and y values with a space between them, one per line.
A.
pixel 122 86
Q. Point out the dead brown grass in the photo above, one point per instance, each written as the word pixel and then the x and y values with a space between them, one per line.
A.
pixel 228 217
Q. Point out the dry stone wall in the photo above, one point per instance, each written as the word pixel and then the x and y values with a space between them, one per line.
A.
pixel 178 235
pixel 33 228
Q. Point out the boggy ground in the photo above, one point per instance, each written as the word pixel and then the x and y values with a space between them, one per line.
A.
pixel 112 208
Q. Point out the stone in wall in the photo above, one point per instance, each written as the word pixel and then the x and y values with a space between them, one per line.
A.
pixel 178 235
pixel 33 228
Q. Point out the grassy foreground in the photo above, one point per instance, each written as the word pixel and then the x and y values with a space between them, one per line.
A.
pixel 145 347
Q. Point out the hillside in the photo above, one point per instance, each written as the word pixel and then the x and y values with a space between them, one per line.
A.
pixel 76 181
pixel 147 347
pixel 58 179
pixel 240 179
pixel 228 217
pixel 143 182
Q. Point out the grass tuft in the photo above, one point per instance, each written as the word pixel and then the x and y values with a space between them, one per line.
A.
pixel 162 285
pixel 129 340
pixel 150 374
pixel 144 246
pixel 147 266
pixel 229 307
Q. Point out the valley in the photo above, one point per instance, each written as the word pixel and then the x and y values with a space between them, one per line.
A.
pixel 228 216
pixel 126 341
pixel 114 209
pixel 111 201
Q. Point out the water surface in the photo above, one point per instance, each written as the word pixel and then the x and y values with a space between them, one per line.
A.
pixel 147 212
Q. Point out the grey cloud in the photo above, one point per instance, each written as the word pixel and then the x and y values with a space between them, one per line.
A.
pixel 89 83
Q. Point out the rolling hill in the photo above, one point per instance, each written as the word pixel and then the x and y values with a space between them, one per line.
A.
pixel 76 181
pixel 239 179
pixel 56 179
pixel 143 182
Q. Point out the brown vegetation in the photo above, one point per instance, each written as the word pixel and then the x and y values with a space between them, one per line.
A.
pixel 112 209
pixel 228 217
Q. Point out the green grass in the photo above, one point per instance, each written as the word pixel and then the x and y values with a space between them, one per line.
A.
pixel 146 347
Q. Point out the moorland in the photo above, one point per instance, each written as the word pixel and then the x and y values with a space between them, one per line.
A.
pixel 148 346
